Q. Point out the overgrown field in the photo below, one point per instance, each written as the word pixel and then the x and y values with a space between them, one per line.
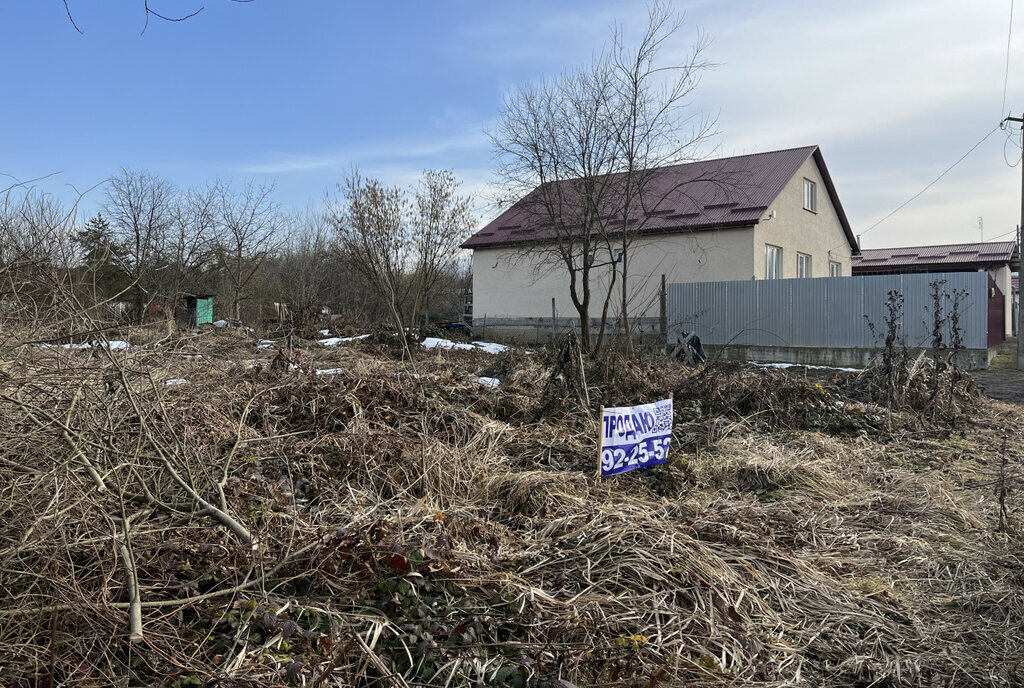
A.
pixel 389 523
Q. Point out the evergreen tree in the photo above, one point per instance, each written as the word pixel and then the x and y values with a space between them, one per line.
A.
pixel 102 257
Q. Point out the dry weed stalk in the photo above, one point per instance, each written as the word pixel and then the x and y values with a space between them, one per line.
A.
pixel 427 530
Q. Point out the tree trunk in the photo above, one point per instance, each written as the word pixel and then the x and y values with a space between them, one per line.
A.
pixel 604 310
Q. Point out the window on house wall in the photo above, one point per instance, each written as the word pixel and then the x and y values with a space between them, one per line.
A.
pixel 835 269
pixel 590 258
pixel 803 265
pixel 773 262
pixel 810 196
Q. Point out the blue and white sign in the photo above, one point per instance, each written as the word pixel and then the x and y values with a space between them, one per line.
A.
pixel 635 436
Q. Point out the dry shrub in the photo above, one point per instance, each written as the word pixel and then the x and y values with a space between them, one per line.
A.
pixel 410 526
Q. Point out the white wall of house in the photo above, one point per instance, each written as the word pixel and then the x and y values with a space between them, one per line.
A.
pixel 818 234
pixel 518 282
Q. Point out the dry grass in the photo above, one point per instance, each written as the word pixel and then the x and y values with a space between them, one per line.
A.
pixel 409 526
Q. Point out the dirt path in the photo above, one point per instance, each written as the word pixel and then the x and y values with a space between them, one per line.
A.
pixel 1003 380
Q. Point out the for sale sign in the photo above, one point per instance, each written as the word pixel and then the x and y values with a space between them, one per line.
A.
pixel 635 436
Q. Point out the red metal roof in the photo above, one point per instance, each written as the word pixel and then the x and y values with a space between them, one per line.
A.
pixel 726 192
pixel 958 256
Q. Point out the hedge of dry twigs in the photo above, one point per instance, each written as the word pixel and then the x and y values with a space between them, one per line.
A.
pixel 404 524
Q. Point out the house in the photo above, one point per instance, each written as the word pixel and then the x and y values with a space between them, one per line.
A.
pixel 998 258
pixel 760 216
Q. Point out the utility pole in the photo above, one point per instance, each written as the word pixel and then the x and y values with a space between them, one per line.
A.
pixel 1020 273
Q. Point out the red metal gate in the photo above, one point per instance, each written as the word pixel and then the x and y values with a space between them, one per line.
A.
pixel 996 314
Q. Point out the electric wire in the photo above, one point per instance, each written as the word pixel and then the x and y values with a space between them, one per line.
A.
pixel 999 236
pixel 1002 125
pixel 930 184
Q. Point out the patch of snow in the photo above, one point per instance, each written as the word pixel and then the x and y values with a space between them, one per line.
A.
pixel 798 365
pixel 489 381
pixel 325 332
pixel 265 344
pixel 491 347
pixel 175 381
pixel 330 371
pixel 220 323
pixel 437 343
pixel 116 345
pixel 335 341
pixel 486 347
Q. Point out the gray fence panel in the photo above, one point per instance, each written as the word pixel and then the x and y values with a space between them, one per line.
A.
pixel 825 311
pixel 845 323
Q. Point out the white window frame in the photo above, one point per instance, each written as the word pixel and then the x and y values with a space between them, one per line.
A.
pixel 772 271
pixel 803 265
pixel 835 268
pixel 810 195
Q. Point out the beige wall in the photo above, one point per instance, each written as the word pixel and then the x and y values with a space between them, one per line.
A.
pixel 511 283
pixel 818 234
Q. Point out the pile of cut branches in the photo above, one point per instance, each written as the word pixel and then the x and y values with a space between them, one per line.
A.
pixel 346 518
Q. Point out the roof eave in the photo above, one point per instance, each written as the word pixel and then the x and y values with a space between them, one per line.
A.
pixel 833 195
pixel 737 224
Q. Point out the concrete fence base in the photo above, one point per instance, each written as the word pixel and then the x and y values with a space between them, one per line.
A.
pixel 832 357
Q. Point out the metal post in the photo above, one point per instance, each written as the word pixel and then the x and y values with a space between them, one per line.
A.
pixel 554 326
pixel 663 314
pixel 1020 307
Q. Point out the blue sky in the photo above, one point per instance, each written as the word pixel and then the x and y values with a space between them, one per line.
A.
pixel 298 92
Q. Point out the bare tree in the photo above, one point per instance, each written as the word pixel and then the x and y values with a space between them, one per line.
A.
pixel 375 234
pixel 249 221
pixel 189 248
pixel 442 221
pixel 37 250
pixel 303 269
pixel 554 154
pixel 140 208
pixel 582 153
pixel 657 128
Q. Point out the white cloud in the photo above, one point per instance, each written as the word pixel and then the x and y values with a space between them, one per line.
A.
pixel 368 154
pixel 893 92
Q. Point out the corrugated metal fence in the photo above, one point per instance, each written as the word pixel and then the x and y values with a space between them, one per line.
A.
pixel 825 312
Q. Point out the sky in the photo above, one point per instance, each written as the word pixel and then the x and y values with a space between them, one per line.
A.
pixel 297 93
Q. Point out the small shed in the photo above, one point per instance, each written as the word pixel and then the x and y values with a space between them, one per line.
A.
pixel 200 309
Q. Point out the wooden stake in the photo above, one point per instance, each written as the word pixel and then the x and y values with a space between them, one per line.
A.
pixel 600 443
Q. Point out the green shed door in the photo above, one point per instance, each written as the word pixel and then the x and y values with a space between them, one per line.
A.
pixel 204 311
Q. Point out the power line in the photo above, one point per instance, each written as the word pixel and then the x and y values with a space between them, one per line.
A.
pixel 1006 75
pixel 999 236
pixel 932 182
pixel 1010 139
